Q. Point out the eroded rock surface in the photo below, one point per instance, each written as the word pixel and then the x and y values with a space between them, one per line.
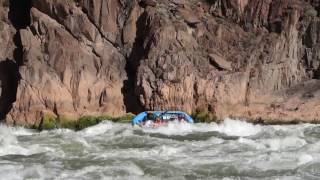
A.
pixel 255 59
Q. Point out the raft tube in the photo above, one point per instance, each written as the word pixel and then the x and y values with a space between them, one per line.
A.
pixel 138 119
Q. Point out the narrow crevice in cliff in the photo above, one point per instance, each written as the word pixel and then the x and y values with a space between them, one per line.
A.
pixel 131 100
pixel 131 97
pixel 19 16
pixel 19 13
pixel 9 78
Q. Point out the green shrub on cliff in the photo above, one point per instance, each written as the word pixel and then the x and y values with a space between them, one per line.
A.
pixel 66 123
pixel 47 123
pixel 87 121
pixel 124 119
pixel 105 118
pixel 204 117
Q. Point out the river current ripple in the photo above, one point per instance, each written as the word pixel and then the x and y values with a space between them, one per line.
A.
pixel 231 150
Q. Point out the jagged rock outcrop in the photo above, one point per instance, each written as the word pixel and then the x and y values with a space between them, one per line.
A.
pixel 256 59
pixel 69 68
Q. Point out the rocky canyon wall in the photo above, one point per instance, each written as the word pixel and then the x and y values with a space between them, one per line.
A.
pixel 255 59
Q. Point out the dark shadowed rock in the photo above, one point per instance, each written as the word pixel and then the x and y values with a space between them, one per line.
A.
pixel 145 3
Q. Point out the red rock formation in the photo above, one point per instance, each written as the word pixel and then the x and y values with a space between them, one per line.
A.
pixel 242 58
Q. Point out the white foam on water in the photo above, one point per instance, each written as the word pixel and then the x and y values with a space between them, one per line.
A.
pixel 127 169
pixel 172 128
pixel 82 141
pixel 158 152
pixel 6 136
pixel 271 150
pixel 133 169
pixel 167 151
pixel 9 143
pixel 35 172
pixel 98 129
pixel 57 131
pixel 251 143
pixel 16 149
pixel 21 172
pixel 289 178
pixel 210 143
pixel 275 161
pixel 11 171
pixel 228 126
pixel 289 130
pixel 81 173
pixel 20 131
pixel 286 143
pixel 237 128
pixel 304 159
pixel 227 179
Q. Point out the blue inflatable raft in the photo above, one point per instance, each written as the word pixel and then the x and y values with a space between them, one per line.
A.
pixel 160 117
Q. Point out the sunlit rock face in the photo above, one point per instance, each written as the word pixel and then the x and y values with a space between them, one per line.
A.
pixel 235 58
pixel 69 68
pixel 256 59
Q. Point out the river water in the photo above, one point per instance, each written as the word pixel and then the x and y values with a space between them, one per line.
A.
pixel 230 150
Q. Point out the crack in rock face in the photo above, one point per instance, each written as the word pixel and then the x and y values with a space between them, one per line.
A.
pixel 9 77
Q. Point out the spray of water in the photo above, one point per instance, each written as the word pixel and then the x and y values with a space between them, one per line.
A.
pixel 231 150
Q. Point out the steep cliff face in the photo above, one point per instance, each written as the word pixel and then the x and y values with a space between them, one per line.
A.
pixel 243 58
pixel 70 67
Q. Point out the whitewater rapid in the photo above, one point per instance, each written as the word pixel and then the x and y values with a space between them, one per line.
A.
pixel 230 150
